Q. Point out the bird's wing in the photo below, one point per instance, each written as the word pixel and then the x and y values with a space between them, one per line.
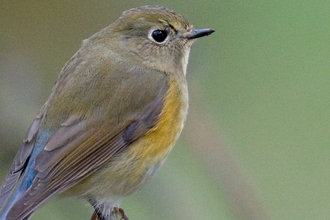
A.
pixel 80 147
pixel 20 160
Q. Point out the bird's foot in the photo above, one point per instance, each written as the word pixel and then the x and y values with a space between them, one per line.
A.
pixel 117 212
pixel 120 212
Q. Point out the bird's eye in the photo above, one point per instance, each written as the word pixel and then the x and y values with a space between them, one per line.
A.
pixel 159 36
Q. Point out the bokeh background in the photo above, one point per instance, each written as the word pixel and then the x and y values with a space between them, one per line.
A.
pixel 256 143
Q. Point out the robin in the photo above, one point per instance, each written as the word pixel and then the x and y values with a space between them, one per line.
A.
pixel 112 118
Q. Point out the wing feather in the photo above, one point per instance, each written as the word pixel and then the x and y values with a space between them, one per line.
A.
pixel 77 149
pixel 20 160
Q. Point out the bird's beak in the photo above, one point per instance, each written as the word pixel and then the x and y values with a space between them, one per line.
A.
pixel 197 33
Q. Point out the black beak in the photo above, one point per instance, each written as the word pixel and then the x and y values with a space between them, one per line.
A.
pixel 197 33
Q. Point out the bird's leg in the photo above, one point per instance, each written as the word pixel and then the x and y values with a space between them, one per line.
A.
pixel 120 212
pixel 99 212
pixel 95 216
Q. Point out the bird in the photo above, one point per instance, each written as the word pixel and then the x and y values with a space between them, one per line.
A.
pixel 114 114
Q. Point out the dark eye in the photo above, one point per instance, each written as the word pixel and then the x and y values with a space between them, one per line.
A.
pixel 159 35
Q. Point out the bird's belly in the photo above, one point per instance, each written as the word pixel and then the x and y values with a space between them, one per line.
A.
pixel 129 170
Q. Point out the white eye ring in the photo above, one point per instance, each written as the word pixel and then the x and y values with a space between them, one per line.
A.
pixel 159 36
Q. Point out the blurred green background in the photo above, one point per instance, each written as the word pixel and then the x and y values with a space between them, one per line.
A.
pixel 256 144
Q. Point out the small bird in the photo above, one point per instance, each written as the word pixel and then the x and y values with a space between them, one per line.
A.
pixel 114 114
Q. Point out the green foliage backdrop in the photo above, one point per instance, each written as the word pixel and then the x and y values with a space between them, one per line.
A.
pixel 258 128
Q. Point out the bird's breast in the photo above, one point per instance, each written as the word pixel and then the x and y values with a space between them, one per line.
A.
pixel 160 139
pixel 130 169
pixel 151 150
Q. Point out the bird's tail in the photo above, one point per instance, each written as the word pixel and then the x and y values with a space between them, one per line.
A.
pixel 9 204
